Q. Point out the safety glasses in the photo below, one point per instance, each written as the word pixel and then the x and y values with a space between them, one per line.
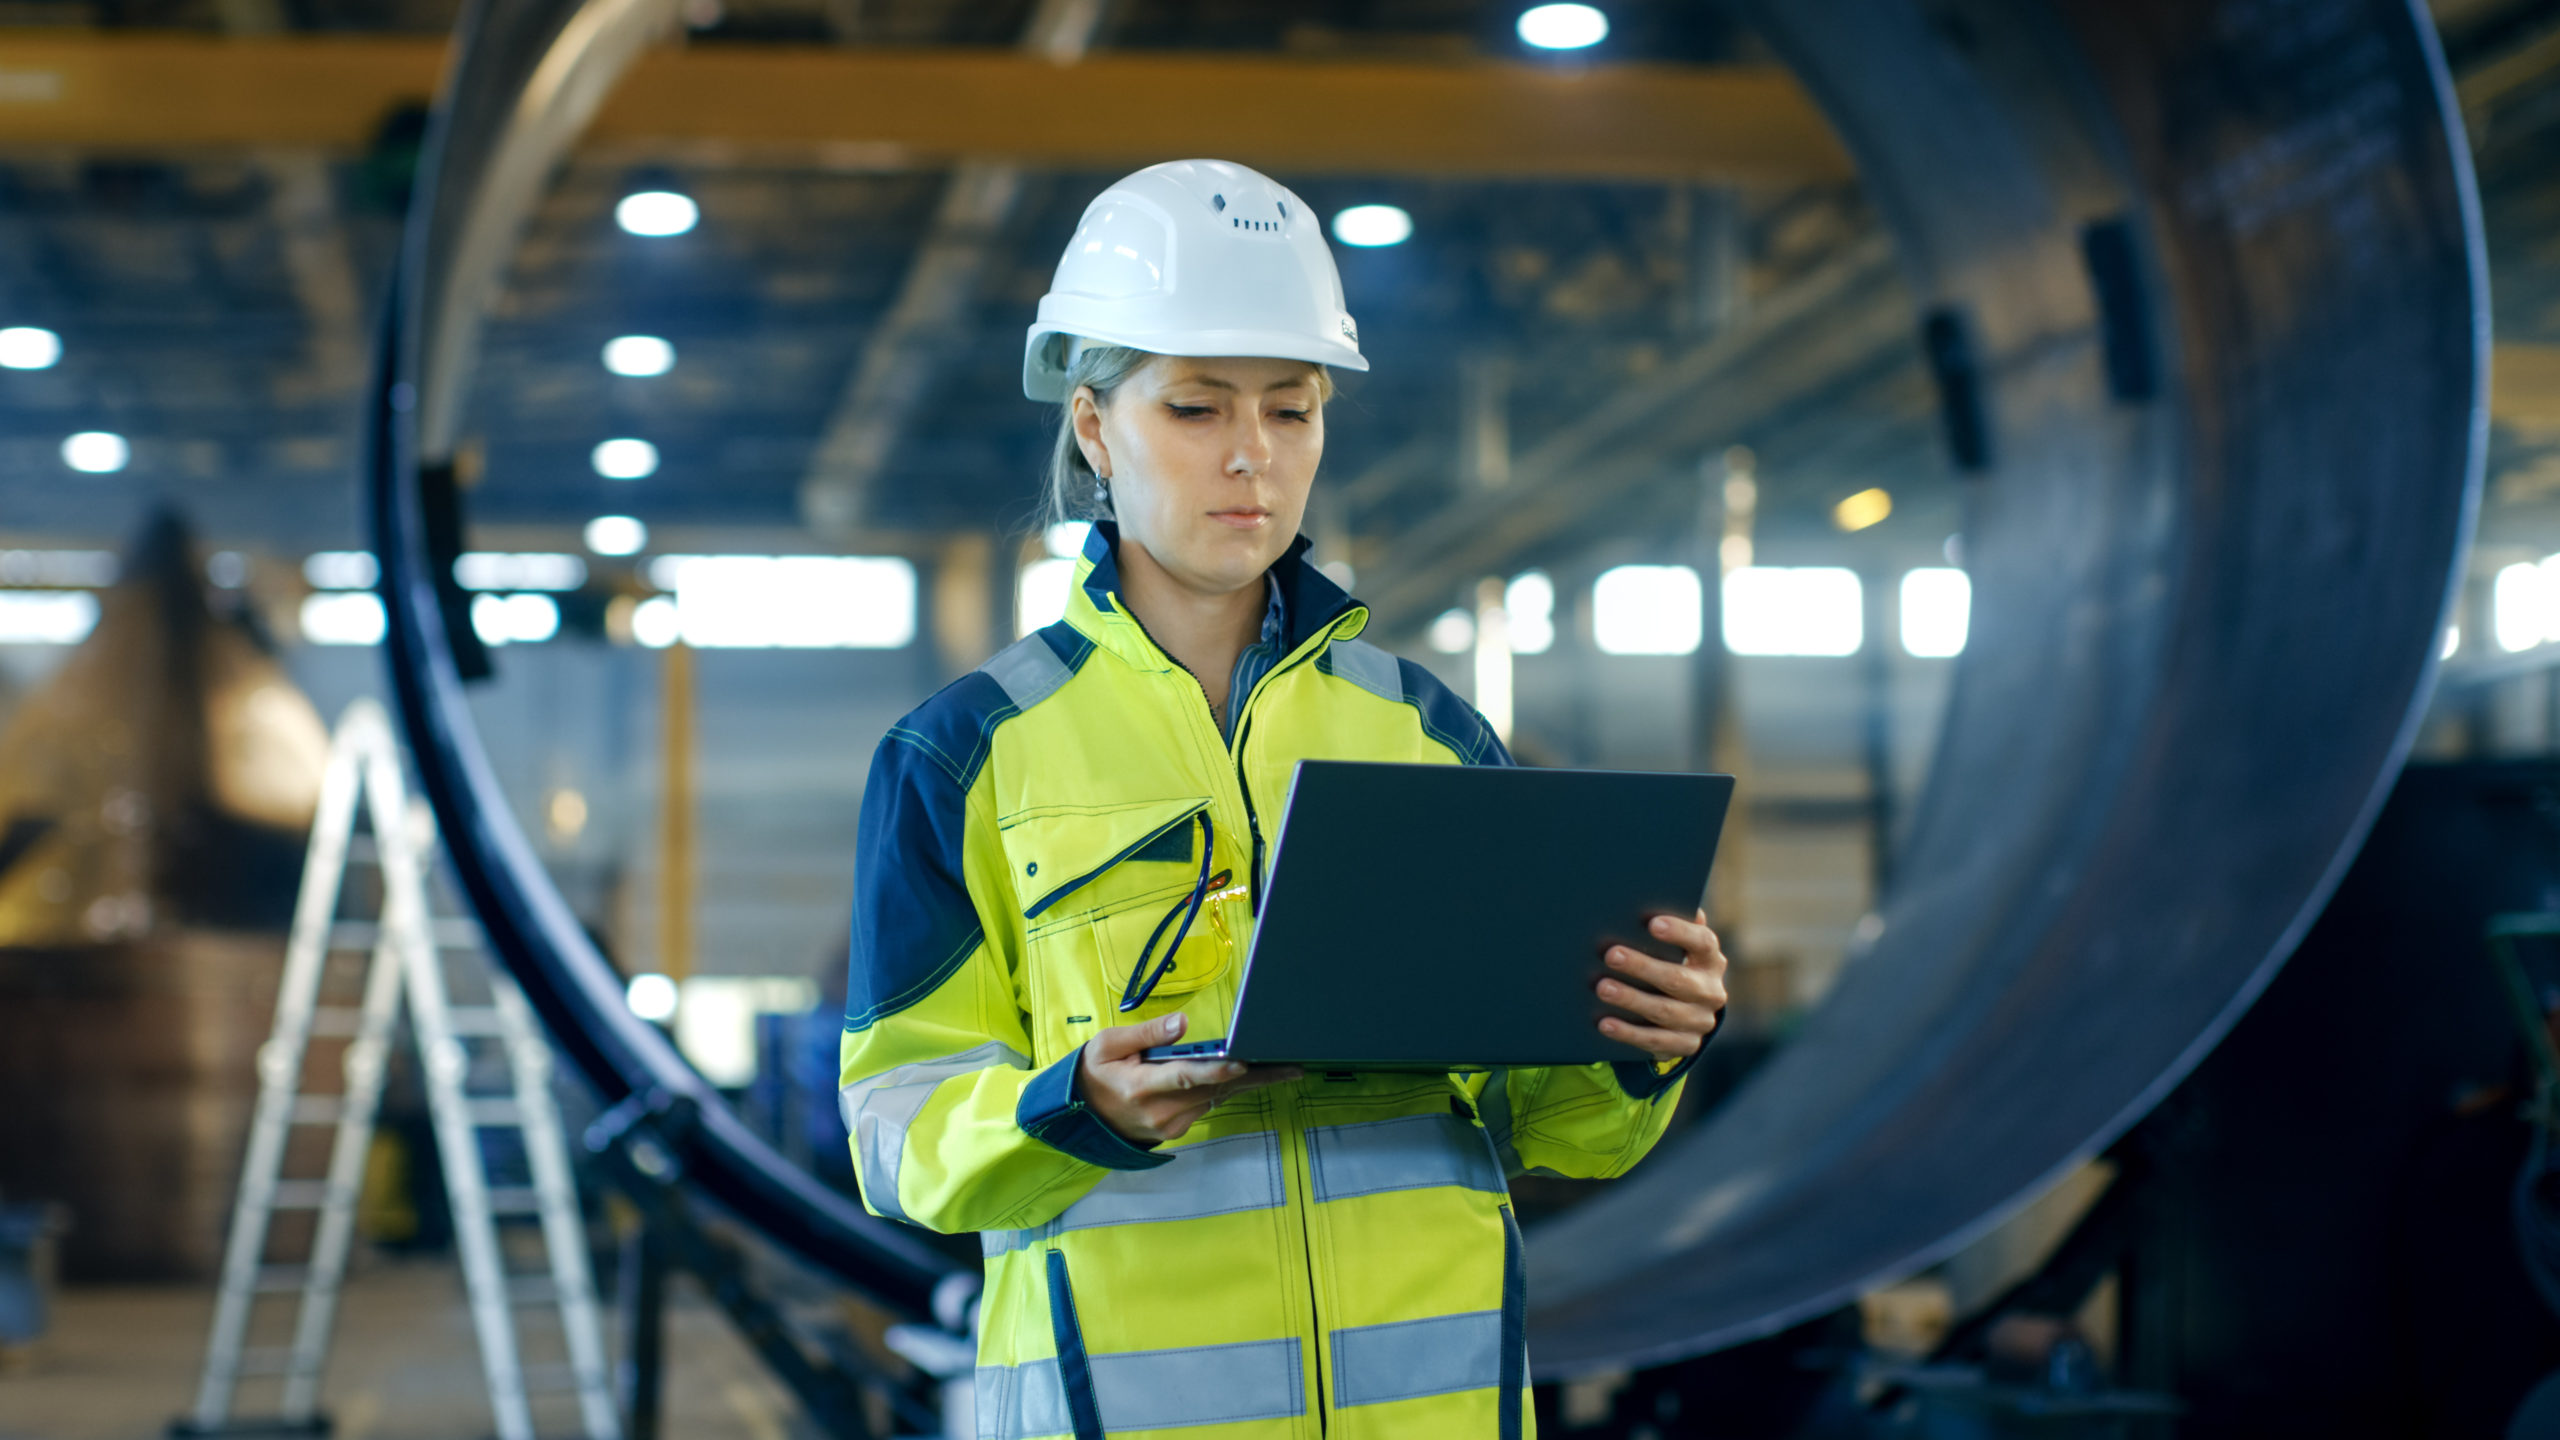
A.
pixel 1142 978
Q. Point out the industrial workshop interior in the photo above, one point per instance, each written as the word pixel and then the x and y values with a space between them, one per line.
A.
pixel 540 540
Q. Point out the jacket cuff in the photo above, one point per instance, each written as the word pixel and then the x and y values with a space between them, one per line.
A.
pixel 1643 1080
pixel 1052 1111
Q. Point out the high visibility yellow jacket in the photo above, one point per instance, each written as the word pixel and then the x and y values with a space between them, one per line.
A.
pixel 1335 1256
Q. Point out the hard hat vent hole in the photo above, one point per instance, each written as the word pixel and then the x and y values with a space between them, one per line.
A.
pixel 1218 201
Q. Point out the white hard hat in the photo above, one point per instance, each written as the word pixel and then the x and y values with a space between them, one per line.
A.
pixel 1193 257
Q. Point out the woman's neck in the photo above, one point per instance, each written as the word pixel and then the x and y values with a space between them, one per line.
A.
pixel 1203 632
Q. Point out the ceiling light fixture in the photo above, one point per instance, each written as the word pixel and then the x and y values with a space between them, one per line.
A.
pixel 1563 27
pixel 96 452
pixel 25 347
pixel 1369 226
pixel 639 356
pixel 616 535
pixel 626 459
pixel 656 213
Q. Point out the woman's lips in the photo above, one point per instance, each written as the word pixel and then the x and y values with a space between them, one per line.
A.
pixel 1241 519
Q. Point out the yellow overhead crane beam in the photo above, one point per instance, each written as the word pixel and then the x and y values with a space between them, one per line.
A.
pixel 171 93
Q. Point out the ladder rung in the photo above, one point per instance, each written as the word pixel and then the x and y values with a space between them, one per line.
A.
pixel 300 1194
pixel 474 1020
pixel 318 1109
pixel 282 1280
pixel 265 1362
pixel 532 1290
pixel 451 934
pixel 494 1114
pixel 354 935
pixel 337 1021
pixel 550 1378
pixel 514 1200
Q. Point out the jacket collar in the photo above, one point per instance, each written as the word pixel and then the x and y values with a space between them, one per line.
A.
pixel 1304 601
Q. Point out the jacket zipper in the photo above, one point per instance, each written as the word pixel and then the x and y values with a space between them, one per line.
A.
pixel 1293 1134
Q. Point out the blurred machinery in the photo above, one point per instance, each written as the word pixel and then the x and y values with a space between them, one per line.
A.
pixel 153 794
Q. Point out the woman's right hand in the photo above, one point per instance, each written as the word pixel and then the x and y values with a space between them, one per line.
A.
pixel 1151 1101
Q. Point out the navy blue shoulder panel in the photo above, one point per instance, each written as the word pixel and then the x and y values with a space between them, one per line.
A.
pixel 913 920
pixel 1446 718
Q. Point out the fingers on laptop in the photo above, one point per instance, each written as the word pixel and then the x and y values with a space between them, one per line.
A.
pixel 1693 936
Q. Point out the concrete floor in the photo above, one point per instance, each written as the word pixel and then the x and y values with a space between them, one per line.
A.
pixel 120 1363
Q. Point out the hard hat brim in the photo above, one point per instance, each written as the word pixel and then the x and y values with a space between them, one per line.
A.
pixel 1044 369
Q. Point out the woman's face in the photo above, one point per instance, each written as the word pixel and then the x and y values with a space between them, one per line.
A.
pixel 1210 461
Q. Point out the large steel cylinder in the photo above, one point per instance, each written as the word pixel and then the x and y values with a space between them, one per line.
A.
pixel 2201 286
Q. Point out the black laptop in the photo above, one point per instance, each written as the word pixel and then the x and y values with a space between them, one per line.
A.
pixel 1440 917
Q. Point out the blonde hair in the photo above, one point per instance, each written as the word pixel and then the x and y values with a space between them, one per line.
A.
pixel 1074 491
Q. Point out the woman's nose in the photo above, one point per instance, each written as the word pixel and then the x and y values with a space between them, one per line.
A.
pixel 1252 453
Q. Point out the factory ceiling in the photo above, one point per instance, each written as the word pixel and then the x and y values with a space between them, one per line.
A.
pixel 1585 310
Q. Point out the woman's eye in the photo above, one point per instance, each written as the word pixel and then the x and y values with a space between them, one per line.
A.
pixel 1297 415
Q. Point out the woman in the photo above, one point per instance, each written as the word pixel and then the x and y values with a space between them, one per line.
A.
pixel 1260 1252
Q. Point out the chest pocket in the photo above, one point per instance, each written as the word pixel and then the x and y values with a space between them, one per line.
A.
pixel 1097 882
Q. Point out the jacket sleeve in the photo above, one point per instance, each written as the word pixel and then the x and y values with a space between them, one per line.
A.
pixel 952 1129
pixel 1590 1122
pixel 1585 1122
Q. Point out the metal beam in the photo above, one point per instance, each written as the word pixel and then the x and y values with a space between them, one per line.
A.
pixel 1834 319
pixel 929 106
pixel 903 356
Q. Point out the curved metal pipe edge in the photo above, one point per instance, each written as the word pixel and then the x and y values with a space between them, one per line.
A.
pixel 501 45
pixel 2212 274
pixel 2162 745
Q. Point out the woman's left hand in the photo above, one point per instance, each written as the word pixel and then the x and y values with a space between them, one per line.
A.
pixel 1679 1003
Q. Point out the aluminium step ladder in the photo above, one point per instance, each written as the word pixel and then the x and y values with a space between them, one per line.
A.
pixel 407 946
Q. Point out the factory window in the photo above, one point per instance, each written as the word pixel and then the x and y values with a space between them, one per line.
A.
pixel 1793 610
pixel 716 1020
pixel 341 570
pixel 1040 595
pixel 1529 605
pixel 2524 605
pixel 1065 539
pixel 801 602
pixel 514 619
pixel 499 570
pixel 342 617
pixel 1647 610
pixel 1937 609
pixel 1454 633
pixel 91 568
pixel 47 617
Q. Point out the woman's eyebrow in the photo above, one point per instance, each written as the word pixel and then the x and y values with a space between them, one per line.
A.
pixel 1214 383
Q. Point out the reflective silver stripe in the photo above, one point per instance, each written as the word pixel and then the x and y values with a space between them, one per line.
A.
pixel 1017 1401
pixel 1214 1177
pixel 1373 1364
pixel 1148 1390
pixel 878 1111
pixel 1368 667
pixel 1028 671
pixel 1406 1154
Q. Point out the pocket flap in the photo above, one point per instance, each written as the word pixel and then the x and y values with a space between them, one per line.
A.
pixel 1055 849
